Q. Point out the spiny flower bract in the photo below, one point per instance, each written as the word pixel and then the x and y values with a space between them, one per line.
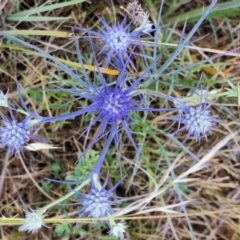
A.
pixel 112 106
pixel 15 134
pixel 118 39
pixel 114 103
pixel 97 203
pixel 33 221
pixel 196 120
pixel 117 229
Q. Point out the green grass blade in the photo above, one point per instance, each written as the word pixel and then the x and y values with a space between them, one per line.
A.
pixel 230 8
pixel 46 8
pixel 35 18
pixel 38 33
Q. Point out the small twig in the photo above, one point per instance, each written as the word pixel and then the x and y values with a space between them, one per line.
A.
pixel 4 171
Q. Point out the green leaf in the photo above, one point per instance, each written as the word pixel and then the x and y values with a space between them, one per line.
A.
pixel 38 33
pixel 183 187
pixel 84 166
pixel 61 228
pixel 49 7
pixel 55 167
pixel 46 186
pixel 222 9
pixel 81 231
pixel 72 178
pixel 34 18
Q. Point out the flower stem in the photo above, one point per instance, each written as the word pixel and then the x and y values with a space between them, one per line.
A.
pixel 44 209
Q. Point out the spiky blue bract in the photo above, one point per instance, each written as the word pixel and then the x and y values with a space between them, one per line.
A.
pixel 196 120
pixel 97 202
pixel 112 106
pixel 118 39
pixel 15 134
pixel 113 103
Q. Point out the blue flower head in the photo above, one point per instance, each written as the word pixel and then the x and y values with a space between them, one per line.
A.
pixel 196 120
pixel 114 104
pixel 118 39
pixel 15 134
pixel 97 203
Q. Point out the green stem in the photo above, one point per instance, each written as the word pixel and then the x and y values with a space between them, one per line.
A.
pixel 44 209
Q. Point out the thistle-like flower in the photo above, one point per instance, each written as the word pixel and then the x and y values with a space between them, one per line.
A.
pixel 117 229
pixel 196 120
pixel 112 106
pixel 111 103
pixel 15 134
pixel 33 221
pixel 97 203
pixel 118 39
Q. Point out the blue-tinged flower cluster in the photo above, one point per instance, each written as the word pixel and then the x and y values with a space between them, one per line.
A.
pixel 113 104
pixel 16 134
pixel 118 40
pixel 97 203
pixel 196 120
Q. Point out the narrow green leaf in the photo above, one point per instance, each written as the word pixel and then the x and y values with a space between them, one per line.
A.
pixel 47 8
pixel 222 9
pixel 35 18
pixel 38 33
